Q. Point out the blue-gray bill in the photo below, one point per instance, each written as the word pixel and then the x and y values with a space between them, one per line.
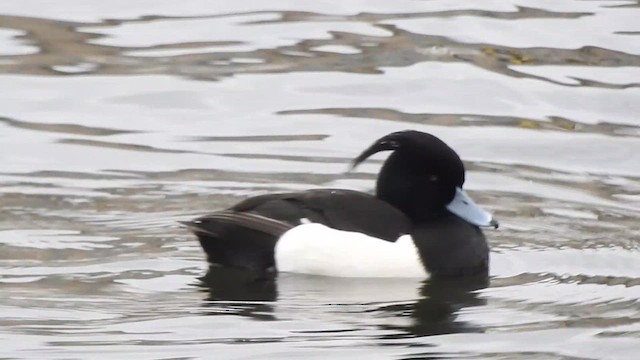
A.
pixel 466 209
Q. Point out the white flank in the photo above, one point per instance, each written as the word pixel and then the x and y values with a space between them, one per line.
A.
pixel 319 250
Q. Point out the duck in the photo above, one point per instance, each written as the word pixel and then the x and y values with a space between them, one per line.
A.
pixel 419 222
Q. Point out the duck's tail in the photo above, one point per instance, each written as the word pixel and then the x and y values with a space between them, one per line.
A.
pixel 237 239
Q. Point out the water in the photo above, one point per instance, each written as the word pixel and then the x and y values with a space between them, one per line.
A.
pixel 118 119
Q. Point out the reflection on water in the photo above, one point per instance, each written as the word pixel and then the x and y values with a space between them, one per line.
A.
pixel 431 305
pixel 237 285
pixel 118 119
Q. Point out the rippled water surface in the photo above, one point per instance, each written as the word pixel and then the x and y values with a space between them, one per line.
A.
pixel 119 118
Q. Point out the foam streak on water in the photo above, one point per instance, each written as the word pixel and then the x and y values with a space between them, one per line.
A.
pixel 120 118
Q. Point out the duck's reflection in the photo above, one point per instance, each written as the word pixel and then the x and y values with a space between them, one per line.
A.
pixel 238 292
pixel 436 311
pixel 228 284
pixel 432 305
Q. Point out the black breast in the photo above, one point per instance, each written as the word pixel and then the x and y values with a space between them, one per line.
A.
pixel 450 247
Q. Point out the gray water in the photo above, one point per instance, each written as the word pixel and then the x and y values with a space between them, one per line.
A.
pixel 119 118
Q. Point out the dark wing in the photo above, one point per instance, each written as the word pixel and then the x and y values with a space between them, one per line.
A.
pixel 339 209
pixel 274 214
pixel 353 211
